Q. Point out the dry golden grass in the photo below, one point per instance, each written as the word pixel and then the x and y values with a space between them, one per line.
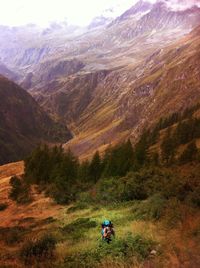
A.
pixel 41 207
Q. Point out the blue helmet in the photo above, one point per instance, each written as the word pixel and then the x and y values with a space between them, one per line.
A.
pixel 106 223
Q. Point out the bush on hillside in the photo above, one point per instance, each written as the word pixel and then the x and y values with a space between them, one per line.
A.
pixel 38 250
pixel 3 206
pixel 12 235
pixel 173 213
pixel 151 209
pixel 109 190
pixel 20 190
pixel 139 186
pixel 193 197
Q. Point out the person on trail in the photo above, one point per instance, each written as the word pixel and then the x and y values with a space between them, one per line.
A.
pixel 107 231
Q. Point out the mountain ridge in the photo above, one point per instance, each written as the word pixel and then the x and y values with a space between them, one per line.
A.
pixel 112 79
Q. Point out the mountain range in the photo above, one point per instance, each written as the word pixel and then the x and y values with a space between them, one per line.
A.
pixel 110 80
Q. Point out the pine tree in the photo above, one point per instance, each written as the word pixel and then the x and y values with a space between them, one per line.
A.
pixel 95 169
pixel 168 148
pixel 126 158
pixel 140 154
pixel 84 171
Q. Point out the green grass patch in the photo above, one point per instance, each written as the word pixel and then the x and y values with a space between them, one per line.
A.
pixel 120 249
pixel 77 207
pixel 77 229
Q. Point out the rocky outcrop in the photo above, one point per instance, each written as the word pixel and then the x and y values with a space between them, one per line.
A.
pixel 51 70
pixel 162 18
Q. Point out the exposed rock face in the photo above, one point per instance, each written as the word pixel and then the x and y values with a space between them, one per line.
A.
pixel 139 8
pixel 69 99
pixel 159 18
pixel 23 123
pixel 137 98
pixel 51 70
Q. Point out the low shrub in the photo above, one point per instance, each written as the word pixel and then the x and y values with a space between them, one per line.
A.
pixel 193 197
pixel 12 235
pixel 38 250
pixel 173 213
pixel 77 207
pixel 150 209
pixel 138 186
pixel 108 190
pixel 85 198
pixel 120 249
pixel 47 220
pixel 77 228
pixel 196 232
pixel 20 191
pixel 3 206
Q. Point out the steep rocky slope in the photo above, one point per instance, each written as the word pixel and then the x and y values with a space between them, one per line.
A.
pixel 110 81
pixel 23 123
pixel 167 81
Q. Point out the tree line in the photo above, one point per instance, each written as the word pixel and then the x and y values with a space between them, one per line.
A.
pixel 63 176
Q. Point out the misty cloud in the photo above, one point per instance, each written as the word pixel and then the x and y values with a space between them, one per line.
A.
pixel 178 4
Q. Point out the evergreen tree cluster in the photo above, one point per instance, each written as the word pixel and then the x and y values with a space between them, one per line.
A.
pixel 176 117
pixel 63 176
pixel 54 169
pixel 186 132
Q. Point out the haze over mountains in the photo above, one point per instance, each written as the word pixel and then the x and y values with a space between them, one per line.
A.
pixel 109 80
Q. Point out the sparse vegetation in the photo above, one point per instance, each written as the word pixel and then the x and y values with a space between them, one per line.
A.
pixel 12 235
pixel 3 206
pixel 38 250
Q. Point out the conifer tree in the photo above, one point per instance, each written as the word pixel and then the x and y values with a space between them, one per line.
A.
pixel 84 171
pixel 95 167
pixel 168 148
pixel 140 154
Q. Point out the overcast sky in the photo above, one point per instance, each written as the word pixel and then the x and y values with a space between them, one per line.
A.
pixel 80 12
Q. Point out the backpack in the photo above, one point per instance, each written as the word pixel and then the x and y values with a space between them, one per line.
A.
pixel 107 232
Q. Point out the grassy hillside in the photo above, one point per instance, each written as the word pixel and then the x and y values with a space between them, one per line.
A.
pixel 148 234
pixel 152 200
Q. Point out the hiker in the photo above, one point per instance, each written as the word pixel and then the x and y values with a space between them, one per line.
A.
pixel 107 231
